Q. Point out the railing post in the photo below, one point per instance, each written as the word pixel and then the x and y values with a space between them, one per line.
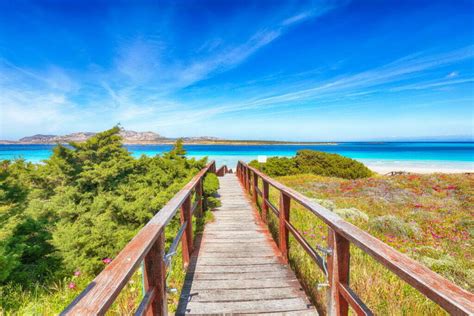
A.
pixel 254 189
pixel 265 197
pixel 246 185
pixel 338 271
pixel 187 240
pixel 155 275
pixel 199 197
pixel 284 214
pixel 249 183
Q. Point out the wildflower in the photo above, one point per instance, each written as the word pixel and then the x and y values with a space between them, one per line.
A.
pixel 77 273
pixel 418 205
pixel 436 188
pixel 106 260
pixel 71 285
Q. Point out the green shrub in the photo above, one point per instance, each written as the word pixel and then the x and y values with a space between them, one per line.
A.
pixel 213 202
pixel 211 185
pixel 330 205
pixel 313 162
pixel 331 165
pixel 447 265
pixel 277 166
pixel 82 205
pixel 352 214
pixel 390 224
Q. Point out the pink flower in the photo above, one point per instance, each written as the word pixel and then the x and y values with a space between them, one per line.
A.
pixel 77 273
pixel 71 285
pixel 106 260
pixel 436 188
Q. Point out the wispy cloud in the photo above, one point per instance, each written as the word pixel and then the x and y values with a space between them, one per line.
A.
pixel 127 104
pixel 391 73
pixel 141 60
pixel 148 85
pixel 453 74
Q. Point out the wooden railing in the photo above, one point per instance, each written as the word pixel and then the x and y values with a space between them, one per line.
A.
pixel 222 171
pixel 148 246
pixel 335 259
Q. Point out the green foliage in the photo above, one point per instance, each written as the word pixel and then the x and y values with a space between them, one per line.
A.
pixel 277 166
pixel 32 255
pixel 80 206
pixel 211 185
pixel 390 224
pixel 178 148
pixel 352 214
pixel 314 162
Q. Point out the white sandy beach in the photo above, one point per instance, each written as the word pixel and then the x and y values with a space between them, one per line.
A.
pixel 382 166
pixel 386 166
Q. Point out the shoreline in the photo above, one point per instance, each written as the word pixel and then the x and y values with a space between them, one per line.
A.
pixel 239 143
pixel 423 167
pixel 421 170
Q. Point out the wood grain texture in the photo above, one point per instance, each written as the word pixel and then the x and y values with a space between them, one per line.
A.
pixel 236 267
pixel 187 239
pixel 338 270
pixel 154 278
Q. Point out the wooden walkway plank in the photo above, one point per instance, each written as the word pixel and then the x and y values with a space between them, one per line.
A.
pixel 216 295
pixel 236 267
pixel 282 305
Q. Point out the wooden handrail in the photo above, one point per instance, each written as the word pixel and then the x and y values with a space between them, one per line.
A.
pixel 449 296
pixel 222 171
pixel 147 246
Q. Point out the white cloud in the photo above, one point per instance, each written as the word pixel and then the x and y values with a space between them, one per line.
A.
pixel 453 74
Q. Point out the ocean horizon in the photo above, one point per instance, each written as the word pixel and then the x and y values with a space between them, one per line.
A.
pixel 379 156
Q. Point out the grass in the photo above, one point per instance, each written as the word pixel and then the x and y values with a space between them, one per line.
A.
pixel 427 217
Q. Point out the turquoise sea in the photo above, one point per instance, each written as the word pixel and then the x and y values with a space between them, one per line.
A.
pixel 392 155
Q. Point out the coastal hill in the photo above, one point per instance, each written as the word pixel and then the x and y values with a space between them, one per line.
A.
pixel 129 137
pixel 144 138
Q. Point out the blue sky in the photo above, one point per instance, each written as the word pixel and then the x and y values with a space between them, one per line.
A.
pixel 303 70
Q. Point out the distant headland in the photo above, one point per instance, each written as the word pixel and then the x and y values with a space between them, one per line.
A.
pixel 147 138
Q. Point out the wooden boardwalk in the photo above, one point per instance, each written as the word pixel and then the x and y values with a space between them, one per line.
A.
pixel 236 267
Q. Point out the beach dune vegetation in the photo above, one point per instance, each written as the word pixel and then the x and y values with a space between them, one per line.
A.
pixel 314 162
pixel 427 217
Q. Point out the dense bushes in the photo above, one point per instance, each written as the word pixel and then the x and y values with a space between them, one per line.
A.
pixel 80 206
pixel 211 185
pixel 314 162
